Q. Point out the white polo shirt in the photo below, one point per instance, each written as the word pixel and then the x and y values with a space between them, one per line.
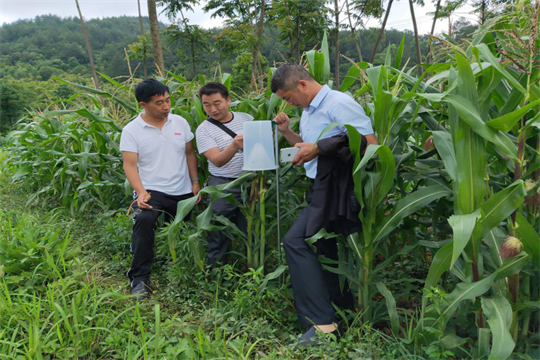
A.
pixel 161 153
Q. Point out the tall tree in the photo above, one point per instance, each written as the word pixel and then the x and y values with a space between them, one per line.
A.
pixel 192 37
pixel 437 7
pixel 446 11
pixel 145 66
pixel 195 36
pixel 88 47
pixel 487 8
pixel 257 74
pixel 336 41
pixel 156 39
pixel 381 32
pixel 416 37
pixel 300 22
pixel 244 20
pixel 356 11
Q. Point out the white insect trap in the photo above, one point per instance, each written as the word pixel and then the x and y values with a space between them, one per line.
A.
pixel 259 153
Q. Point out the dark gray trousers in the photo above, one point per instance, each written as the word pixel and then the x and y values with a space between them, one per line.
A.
pixel 218 243
pixel 144 228
pixel 314 289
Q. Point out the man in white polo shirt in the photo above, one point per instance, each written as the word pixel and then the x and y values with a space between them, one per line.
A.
pixel 161 166
pixel 220 140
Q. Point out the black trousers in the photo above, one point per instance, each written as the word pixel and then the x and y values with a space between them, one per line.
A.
pixel 142 237
pixel 218 243
pixel 314 289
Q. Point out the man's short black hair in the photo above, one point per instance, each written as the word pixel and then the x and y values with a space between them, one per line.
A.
pixel 148 88
pixel 213 88
pixel 286 77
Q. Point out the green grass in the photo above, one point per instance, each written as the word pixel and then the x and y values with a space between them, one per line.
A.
pixel 63 294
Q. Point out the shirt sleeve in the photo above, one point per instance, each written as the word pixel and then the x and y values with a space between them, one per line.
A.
pixel 187 131
pixel 350 112
pixel 128 142
pixel 204 141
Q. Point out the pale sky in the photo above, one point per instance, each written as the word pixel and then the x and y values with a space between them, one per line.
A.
pixel 12 10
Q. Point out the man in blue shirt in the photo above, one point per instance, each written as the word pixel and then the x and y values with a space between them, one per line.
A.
pixel 314 288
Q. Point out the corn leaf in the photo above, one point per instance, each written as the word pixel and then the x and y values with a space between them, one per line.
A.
pixel 499 318
pixel 512 265
pixel 468 113
pixel 507 121
pixel 489 57
pixel 500 206
pixel 128 107
pixel 408 205
pixel 445 148
pixel 529 237
pixel 391 306
pixel 226 79
pixel 440 263
pixel 352 75
pixel 466 291
pixel 463 226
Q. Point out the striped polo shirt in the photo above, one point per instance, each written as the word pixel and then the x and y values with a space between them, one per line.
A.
pixel 209 136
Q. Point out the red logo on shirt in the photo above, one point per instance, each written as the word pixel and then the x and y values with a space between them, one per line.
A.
pixel 177 133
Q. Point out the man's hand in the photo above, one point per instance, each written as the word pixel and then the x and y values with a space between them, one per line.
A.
pixel 238 142
pixel 283 122
pixel 195 189
pixel 142 201
pixel 308 152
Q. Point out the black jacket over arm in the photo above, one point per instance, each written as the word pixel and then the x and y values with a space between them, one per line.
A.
pixel 333 204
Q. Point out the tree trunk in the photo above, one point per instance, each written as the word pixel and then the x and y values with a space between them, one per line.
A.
pixel 435 17
pixel 297 50
pixel 156 41
pixel 290 34
pixel 256 69
pixel 193 64
pixel 336 39
pixel 449 23
pixel 191 43
pixel 88 47
pixel 417 40
pixel 353 32
pixel 142 34
pixel 381 32
pixel 483 12
pixel 433 29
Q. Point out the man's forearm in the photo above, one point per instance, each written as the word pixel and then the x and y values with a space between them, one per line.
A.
pixel 223 157
pixel 292 137
pixel 134 179
pixel 192 165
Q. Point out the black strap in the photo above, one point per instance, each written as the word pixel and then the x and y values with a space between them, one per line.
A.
pixel 222 127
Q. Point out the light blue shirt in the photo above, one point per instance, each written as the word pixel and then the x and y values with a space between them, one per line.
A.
pixel 330 106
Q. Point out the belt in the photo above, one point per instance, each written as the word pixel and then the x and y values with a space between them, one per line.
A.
pixel 223 177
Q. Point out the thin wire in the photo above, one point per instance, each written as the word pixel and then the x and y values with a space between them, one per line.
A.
pixel 277 193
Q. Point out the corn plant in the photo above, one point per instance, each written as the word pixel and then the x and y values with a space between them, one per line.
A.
pixel 475 149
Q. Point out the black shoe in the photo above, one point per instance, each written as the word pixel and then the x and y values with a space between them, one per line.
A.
pixel 309 338
pixel 140 291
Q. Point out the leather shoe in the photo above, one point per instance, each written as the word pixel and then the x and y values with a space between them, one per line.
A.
pixel 309 338
pixel 140 291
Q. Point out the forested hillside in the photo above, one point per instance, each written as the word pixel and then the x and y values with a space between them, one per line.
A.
pixel 50 46
pixel 32 52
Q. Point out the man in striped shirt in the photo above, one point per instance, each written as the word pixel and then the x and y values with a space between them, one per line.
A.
pixel 225 160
